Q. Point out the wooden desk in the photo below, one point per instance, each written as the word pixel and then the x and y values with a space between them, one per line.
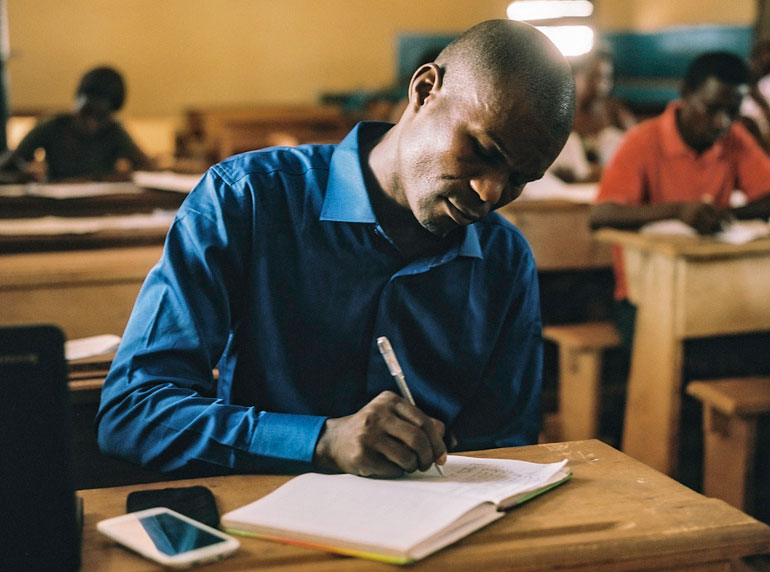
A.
pixel 615 514
pixel 85 292
pixel 559 234
pixel 128 199
pixel 683 287
pixel 230 130
pixel 84 282
pixel 132 200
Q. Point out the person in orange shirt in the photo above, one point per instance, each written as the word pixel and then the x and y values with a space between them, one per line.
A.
pixel 685 163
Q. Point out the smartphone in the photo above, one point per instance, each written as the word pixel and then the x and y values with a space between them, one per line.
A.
pixel 168 538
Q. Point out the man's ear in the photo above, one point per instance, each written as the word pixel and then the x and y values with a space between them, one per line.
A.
pixel 426 82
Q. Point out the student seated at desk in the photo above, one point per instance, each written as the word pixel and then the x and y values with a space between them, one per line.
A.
pixel 285 265
pixel 87 144
pixel 600 121
pixel 755 108
pixel 685 163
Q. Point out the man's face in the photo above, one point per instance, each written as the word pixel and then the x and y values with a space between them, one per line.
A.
pixel 466 153
pixel 600 78
pixel 93 112
pixel 709 111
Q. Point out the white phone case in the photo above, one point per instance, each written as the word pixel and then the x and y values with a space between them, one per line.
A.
pixel 128 531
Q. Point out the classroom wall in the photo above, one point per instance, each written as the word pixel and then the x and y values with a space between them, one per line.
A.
pixel 182 53
pixel 655 15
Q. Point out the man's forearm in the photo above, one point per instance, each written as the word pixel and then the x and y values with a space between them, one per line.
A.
pixel 631 216
pixel 756 209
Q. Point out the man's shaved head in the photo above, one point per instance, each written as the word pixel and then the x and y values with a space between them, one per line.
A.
pixel 514 57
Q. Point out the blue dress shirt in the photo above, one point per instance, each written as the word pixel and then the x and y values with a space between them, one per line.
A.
pixel 276 272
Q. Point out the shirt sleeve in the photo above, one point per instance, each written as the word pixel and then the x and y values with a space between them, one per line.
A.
pixel 506 409
pixel 753 165
pixel 126 147
pixel 161 406
pixel 37 137
pixel 623 179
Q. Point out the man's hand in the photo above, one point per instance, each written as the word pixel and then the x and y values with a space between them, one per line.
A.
pixel 702 216
pixel 387 437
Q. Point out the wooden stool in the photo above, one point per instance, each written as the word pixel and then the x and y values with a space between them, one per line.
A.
pixel 581 348
pixel 730 411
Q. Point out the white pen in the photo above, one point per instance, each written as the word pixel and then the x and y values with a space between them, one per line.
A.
pixel 395 370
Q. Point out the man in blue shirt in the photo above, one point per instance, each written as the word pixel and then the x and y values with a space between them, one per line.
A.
pixel 285 265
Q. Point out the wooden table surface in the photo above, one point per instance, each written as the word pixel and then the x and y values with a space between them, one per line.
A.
pixel 559 234
pixel 683 287
pixel 615 514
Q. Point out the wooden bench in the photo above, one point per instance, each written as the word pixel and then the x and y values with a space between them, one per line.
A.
pixel 581 349
pixel 731 408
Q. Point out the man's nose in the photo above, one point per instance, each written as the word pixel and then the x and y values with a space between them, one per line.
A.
pixel 490 186
pixel 722 120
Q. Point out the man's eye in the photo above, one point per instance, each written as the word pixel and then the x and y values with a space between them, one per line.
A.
pixel 479 150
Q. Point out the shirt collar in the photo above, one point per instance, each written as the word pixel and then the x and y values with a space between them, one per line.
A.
pixel 673 144
pixel 346 197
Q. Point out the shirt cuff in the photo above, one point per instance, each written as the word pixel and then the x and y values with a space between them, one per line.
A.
pixel 286 436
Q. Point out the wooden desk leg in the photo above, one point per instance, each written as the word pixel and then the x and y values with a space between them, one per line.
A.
pixel 579 393
pixel 651 424
pixel 729 459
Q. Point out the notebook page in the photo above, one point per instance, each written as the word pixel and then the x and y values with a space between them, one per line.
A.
pixel 486 479
pixel 352 511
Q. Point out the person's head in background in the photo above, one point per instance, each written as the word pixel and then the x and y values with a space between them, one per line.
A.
pixel 759 61
pixel 712 90
pixel 100 93
pixel 594 76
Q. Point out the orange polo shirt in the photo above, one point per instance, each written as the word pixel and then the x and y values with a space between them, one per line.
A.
pixel 654 165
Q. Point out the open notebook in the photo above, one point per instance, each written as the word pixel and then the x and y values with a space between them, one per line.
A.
pixel 397 521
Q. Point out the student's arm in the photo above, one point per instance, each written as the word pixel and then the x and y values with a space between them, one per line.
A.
pixel 12 168
pixel 13 163
pixel 159 405
pixel 759 208
pixel 622 199
pixel 702 216
pixel 753 177
pixel 128 149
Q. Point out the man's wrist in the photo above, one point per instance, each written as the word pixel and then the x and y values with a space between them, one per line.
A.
pixel 322 456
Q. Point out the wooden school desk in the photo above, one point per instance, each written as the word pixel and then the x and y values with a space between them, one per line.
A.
pixel 683 287
pixel 559 234
pixel 85 282
pixel 615 514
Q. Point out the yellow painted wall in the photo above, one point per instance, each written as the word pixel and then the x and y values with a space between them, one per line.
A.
pixel 181 53
pixel 650 15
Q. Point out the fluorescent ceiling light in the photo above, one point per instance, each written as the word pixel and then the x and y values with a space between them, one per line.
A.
pixel 549 9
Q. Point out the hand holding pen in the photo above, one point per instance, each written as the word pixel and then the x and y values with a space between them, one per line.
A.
pixel 385 438
pixel 398 375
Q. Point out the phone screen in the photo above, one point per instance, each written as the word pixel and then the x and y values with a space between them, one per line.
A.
pixel 165 533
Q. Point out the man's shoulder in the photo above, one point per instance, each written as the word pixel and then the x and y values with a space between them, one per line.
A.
pixel 739 137
pixel 302 160
pixel 53 123
pixel 646 131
